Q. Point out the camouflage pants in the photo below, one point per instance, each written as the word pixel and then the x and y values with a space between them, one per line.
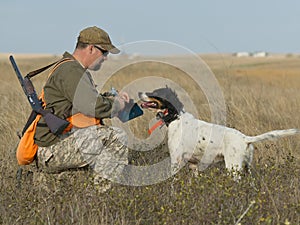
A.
pixel 103 148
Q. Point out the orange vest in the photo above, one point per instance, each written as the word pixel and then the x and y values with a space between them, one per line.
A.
pixel 27 148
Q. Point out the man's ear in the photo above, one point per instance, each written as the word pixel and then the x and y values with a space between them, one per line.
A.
pixel 90 48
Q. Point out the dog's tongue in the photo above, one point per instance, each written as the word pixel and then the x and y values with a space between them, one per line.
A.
pixel 144 105
pixel 148 105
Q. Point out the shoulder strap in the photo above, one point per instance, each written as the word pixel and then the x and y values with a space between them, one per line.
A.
pixel 58 63
pixel 36 72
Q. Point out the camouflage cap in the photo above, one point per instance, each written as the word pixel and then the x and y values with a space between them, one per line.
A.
pixel 96 36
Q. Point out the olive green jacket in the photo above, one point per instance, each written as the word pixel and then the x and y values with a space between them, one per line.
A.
pixel 69 90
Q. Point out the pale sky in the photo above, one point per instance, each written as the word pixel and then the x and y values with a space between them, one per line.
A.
pixel 203 26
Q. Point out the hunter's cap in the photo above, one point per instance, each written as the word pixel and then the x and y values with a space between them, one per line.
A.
pixel 96 36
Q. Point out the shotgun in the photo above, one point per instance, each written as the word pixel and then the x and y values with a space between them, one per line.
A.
pixel 54 123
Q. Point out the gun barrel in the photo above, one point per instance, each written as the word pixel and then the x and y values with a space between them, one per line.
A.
pixel 17 71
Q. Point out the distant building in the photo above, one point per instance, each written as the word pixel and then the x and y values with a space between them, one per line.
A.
pixel 242 54
pixel 260 54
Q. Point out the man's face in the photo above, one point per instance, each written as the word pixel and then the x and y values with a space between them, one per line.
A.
pixel 99 56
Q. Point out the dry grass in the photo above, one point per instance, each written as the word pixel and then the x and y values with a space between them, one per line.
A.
pixel 261 94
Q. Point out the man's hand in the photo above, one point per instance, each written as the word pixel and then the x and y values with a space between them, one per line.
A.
pixel 123 98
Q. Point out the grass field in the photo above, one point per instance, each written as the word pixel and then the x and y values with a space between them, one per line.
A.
pixel 260 94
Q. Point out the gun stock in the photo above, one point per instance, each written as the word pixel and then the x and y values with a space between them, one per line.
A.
pixel 54 123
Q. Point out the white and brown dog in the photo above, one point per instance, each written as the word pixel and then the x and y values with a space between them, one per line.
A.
pixel 199 142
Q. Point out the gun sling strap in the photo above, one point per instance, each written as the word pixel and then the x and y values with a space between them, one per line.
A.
pixel 38 71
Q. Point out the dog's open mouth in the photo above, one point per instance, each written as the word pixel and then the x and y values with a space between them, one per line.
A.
pixel 149 105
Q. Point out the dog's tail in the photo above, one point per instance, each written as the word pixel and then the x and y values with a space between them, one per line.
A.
pixel 272 135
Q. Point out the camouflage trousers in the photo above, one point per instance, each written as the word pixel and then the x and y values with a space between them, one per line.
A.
pixel 102 148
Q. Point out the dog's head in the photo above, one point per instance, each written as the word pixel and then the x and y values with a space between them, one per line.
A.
pixel 164 101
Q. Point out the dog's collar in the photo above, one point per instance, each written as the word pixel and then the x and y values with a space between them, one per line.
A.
pixel 159 123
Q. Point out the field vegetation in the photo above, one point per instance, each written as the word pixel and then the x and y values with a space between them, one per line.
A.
pixel 261 94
